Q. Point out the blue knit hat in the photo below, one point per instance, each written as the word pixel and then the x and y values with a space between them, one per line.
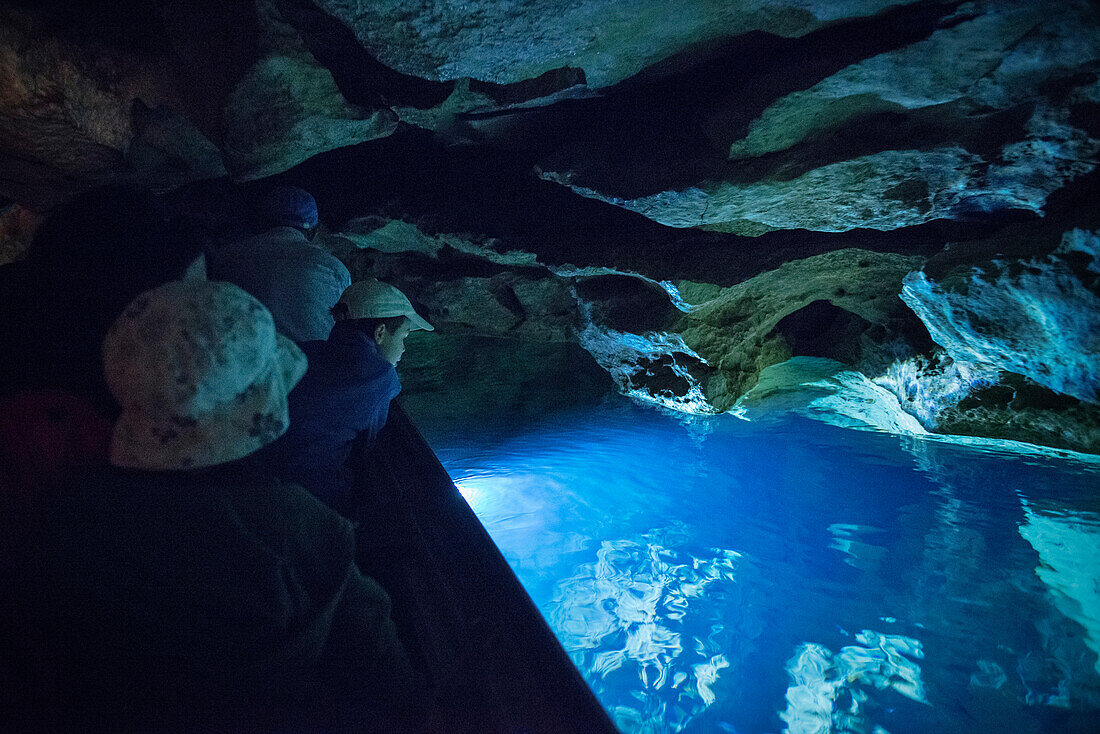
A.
pixel 291 207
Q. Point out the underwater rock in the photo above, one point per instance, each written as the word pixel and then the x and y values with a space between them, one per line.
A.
pixel 510 42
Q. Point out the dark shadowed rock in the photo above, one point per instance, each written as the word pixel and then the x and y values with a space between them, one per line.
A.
pixel 821 329
pixel 168 151
pixel 17 225
pixel 627 303
pixel 65 105
pixel 1020 410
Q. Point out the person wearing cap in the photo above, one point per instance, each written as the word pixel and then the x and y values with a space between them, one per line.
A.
pixel 184 584
pixel 294 278
pixel 345 395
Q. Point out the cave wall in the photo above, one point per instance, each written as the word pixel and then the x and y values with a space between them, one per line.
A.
pixel 694 192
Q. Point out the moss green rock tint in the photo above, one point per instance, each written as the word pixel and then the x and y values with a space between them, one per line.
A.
pixel 733 331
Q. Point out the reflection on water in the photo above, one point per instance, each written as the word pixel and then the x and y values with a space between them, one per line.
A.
pixel 828 691
pixel 709 574
pixel 627 617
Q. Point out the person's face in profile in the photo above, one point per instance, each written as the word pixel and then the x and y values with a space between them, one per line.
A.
pixel 391 344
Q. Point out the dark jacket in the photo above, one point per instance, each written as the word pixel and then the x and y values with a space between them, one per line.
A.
pixel 345 395
pixel 175 595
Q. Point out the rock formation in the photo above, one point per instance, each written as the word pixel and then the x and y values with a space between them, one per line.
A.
pixel 895 197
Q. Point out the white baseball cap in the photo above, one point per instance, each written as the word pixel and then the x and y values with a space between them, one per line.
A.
pixel 373 299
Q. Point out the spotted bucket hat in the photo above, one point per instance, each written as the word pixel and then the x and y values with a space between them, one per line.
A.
pixel 201 375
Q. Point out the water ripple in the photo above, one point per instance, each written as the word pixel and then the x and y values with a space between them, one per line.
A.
pixel 628 613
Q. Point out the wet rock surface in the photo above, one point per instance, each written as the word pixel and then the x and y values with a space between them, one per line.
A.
pixel 66 105
pixel 977 115
pixel 507 42
pixel 1020 410
pixel 693 192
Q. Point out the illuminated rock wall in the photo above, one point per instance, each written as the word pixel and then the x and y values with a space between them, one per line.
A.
pixel 694 192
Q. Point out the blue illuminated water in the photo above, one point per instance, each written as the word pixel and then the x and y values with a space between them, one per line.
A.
pixel 714 575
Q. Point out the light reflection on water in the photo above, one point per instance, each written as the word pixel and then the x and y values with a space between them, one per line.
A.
pixel 709 574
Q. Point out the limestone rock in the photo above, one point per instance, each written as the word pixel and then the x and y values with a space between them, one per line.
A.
pixel 288 109
pixel 885 191
pixel 396 236
pixel 825 390
pixel 1038 318
pixel 653 367
pixel 1019 410
pixel 471 304
pixel 552 310
pixel 938 70
pixel 507 304
pixel 735 331
pixel 929 386
pixel 989 113
pixel 64 110
pixel 610 41
pixel 17 226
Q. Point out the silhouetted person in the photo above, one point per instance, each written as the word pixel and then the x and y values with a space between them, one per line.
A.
pixel 297 281
pixel 88 259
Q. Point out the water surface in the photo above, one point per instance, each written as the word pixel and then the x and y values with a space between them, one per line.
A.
pixel 709 574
